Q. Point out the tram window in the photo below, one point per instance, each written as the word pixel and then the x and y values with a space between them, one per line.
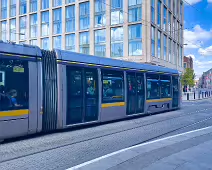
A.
pixel 165 85
pixel 14 84
pixel 75 78
pixel 153 87
pixel 91 84
pixel 112 86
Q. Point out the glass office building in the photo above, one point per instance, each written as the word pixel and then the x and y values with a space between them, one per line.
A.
pixel 135 30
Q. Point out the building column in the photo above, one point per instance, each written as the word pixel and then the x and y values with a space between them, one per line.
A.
pixel 108 36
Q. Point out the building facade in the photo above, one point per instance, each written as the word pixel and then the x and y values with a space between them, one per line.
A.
pixel 205 80
pixel 136 30
pixel 188 62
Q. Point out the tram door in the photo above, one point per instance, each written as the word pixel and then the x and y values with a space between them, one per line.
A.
pixel 175 91
pixel 82 91
pixel 135 93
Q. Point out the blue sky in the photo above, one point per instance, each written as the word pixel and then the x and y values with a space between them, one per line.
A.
pixel 198 33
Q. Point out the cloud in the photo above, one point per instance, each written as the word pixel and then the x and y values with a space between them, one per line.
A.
pixel 192 2
pixel 195 38
pixel 205 51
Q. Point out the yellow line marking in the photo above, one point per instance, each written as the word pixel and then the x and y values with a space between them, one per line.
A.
pixel 106 105
pixel 14 113
pixel 159 100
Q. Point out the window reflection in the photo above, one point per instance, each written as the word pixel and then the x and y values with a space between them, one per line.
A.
pixel 4 30
pixel 4 9
pixel 117 42
pixel 85 42
pixel 57 29
pixel 84 15
pixel 116 12
pixel 45 23
pixel 100 40
pixel 45 43
pixel 12 29
pixel 57 42
pixel 12 8
pixel 70 18
pixel 135 10
pixel 22 27
pixel 23 7
pixel 33 25
pixel 100 16
pixel 70 42
pixel 153 88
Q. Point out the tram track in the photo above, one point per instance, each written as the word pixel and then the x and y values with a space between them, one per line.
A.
pixel 122 131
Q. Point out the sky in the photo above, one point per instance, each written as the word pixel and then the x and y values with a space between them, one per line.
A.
pixel 198 33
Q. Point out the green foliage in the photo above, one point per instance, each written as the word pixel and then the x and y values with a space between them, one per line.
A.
pixel 188 78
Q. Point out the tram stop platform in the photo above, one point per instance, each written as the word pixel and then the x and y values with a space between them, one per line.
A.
pixel 187 151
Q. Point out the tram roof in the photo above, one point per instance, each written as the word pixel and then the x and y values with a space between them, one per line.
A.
pixel 18 49
pixel 83 58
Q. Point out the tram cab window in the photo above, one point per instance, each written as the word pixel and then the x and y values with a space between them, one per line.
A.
pixel 153 86
pixel 165 85
pixel 14 84
pixel 112 86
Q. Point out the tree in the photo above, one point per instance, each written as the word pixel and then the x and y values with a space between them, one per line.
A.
pixel 188 78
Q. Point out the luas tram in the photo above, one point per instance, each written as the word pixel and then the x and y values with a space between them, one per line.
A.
pixel 48 90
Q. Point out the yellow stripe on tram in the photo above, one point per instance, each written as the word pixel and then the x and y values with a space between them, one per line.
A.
pixel 14 113
pixel 159 100
pixel 106 105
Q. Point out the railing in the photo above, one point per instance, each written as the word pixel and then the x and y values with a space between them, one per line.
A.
pixel 197 94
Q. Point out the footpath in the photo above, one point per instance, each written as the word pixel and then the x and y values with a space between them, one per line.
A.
pixel 187 151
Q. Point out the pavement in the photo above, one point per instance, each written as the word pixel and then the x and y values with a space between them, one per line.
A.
pixel 63 150
pixel 190 150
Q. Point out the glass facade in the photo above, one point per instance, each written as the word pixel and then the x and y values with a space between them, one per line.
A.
pixel 115 24
pixel 70 18
pixel 4 9
pixel 100 43
pixel 116 12
pixel 100 13
pixel 135 40
pixel 33 5
pixel 23 7
pixel 33 25
pixel 45 23
pixel 84 15
pixel 4 30
pixel 116 42
pixel 135 10
pixel 12 29
pixel 12 8
pixel 70 42
pixel 85 42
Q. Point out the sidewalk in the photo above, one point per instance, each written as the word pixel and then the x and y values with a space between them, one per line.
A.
pixel 191 150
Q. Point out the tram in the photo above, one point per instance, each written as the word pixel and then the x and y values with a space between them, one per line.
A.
pixel 48 90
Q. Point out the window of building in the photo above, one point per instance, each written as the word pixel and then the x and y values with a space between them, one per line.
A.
pixel 170 49
pixel 173 28
pixel 45 4
pixel 33 25
pixel 12 29
pixel 34 42
pixel 112 86
pixel 181 34
pixel 164 18
pixel 181 11
pixel 164 1
pixel 84 15
pixel 12 8
pixel 169 4
pixel 4 30
pixel 174 52
pixel 169 23
pixel 153 11
pixel 116 12
pixel 159 13
pixel 100 13
pixel 184 65
pixel 178 32
pixel 22 27
pixel 57 20
pixel 70 42
pixel 23 7
pixel 14 81
pixel 135 40
pixel 153 41
pixel 165 86
pixel 159 44
pixel 33 5
pixel 173 7
pixel 100 43
pixel 57 43
pixel 70 18
pixel 165 47
pixel 116 42
pixel 153 88
pixel 45 43
pixel 69 1
pixel 45 23
pixel 85 42
pixel 3 9
pixel 57 3
pixel 135 10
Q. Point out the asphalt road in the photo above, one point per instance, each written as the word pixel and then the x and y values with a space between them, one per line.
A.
pixel 70 148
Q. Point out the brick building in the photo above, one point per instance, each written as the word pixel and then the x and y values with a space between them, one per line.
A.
pixel 188 62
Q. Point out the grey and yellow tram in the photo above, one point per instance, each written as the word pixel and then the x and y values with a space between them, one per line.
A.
pixel 48 90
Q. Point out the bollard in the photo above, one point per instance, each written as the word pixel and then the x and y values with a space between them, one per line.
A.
pixel 194 96
pixel 202 95
pixel 187 96
pixel 199 95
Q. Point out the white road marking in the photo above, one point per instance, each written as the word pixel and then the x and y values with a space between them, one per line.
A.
pixel 143 144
